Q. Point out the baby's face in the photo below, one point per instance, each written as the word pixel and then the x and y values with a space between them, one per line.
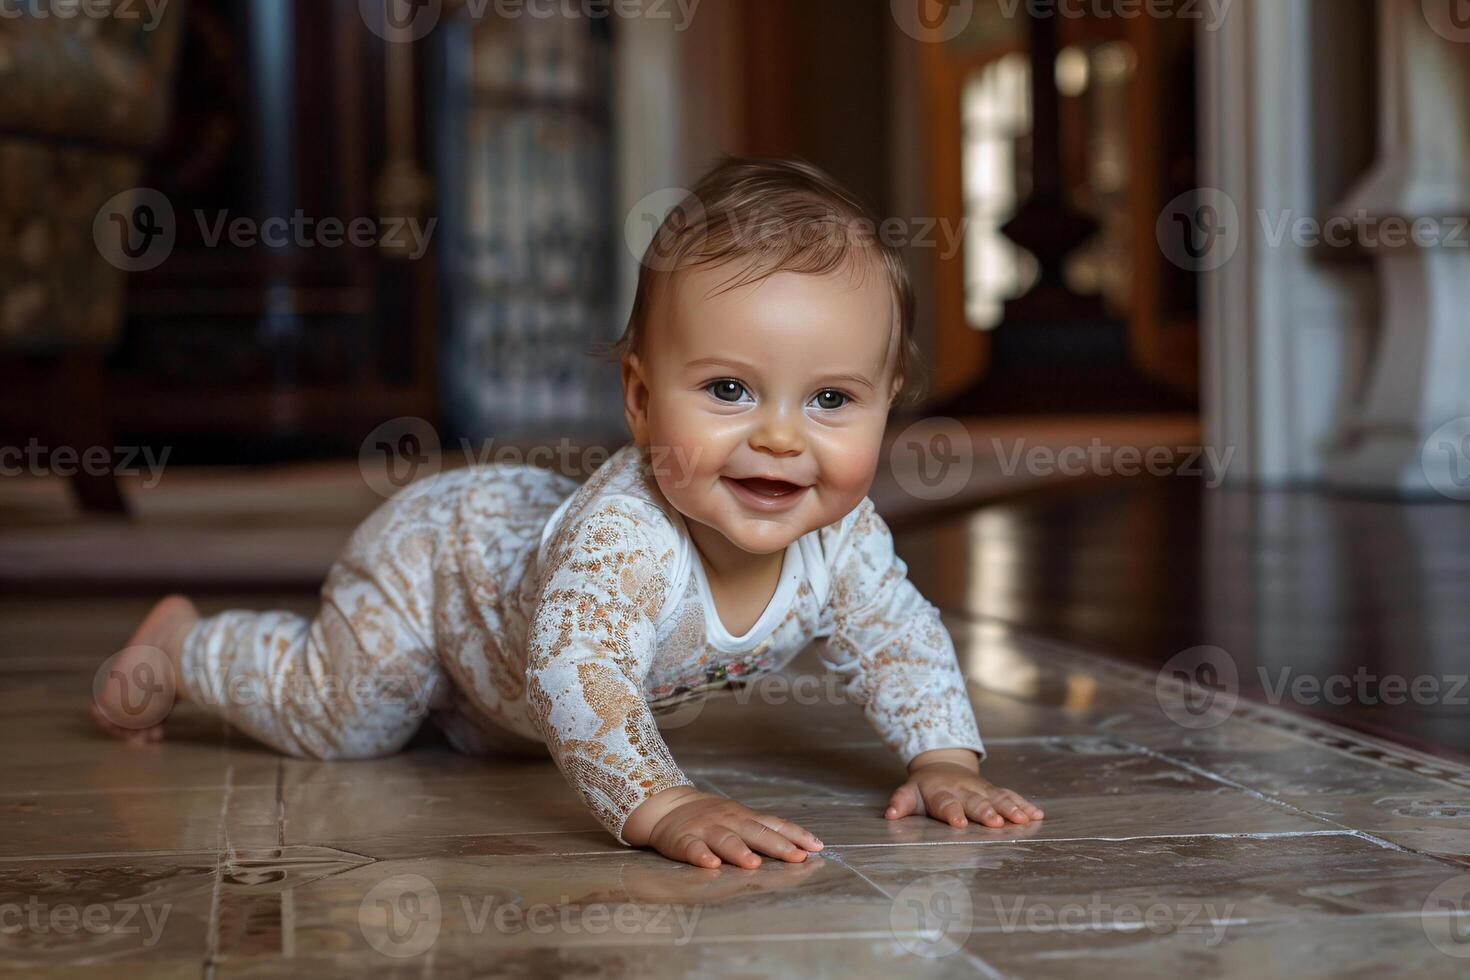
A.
pixel 765 404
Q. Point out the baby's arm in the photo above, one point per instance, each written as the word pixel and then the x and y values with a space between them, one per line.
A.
pixel 591 640
pixel 889 644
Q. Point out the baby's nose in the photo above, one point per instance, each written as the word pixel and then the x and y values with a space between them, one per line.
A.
pixel 778 435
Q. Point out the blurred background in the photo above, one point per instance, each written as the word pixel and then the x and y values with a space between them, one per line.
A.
pixel 1190 276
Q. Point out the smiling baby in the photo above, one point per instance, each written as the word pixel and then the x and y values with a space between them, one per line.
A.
pixel 768 340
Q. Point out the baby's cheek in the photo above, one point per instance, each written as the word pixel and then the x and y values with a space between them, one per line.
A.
pixel 848 468
pixel 686 456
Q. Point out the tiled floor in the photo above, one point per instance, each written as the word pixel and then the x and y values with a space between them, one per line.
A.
pixel 1293 589
pixel 1262 845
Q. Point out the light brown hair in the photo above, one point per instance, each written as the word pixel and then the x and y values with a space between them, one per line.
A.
pixel 772 216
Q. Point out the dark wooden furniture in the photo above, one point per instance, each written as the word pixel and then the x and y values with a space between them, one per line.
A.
pixel 83 100
pixel 300 112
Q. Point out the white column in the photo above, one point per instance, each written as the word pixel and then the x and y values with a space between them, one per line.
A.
pixel 647 152
pixel 1418 376
pixel 1283 334
pixel 676 90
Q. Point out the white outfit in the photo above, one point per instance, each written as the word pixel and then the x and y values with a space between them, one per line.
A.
pixel 522 611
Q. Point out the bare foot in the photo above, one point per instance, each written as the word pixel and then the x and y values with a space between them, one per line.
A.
pixel 136 688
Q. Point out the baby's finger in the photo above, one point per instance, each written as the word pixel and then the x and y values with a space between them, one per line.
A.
pixel 980 808
pixel 1032 810
pixel 695 851
pixel 1010 808
pixel 944 805
pixel 793 832
pixel 768 841
pixel 905 800
pixel 730 846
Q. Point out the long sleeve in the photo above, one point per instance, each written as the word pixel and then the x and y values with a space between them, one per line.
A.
pixel 591 641
pixel 889 645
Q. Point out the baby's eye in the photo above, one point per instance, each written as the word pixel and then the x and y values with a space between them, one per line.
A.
pixel 728 390
pixel 830 398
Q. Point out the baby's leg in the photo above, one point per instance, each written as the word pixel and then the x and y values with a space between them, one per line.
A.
pixel 356 682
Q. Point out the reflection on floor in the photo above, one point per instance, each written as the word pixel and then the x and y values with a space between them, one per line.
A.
pixel 1353 611
pixel 1179 840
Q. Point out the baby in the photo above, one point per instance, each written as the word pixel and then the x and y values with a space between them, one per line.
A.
pixel 524 613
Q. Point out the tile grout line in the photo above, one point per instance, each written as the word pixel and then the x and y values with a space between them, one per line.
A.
pixel 222 840
pixel 95 855
pixel 32 794
pixel 346 847
pixel 1266 798
pixel 288 921
pixel 288 895
pixel 1311 730
pixel 974 959
pixel 280 804
pixel 1126 926
pixel 840 860
pixel 833 848
pixel 1026 841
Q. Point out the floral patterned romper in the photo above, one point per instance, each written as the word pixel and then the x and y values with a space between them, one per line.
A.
pixel 526 614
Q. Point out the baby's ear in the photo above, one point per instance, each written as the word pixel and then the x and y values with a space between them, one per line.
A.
pixel 635 397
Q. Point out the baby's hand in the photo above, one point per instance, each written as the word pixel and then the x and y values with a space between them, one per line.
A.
pixel 701 828
pixel 953 791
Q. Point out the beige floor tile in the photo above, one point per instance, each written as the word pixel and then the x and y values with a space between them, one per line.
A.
pixel 1304 770
pixel 343 802
pixel 1187 883
pixel 410 908
pixel 257 889
pixel 1021 690
pixel 197 753
pixel 587 843
pixel 1089 787
pixel 1358 948
pixel 1392 801
pixel 114 912
pixel 157 967
pixel 110 822
pixel 818 959
pixel 120 821
pixel 1430 823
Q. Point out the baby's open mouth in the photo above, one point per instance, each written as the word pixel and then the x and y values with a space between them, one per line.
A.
pixel 769 488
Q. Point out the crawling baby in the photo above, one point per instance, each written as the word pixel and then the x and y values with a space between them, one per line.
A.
pixel 523 612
